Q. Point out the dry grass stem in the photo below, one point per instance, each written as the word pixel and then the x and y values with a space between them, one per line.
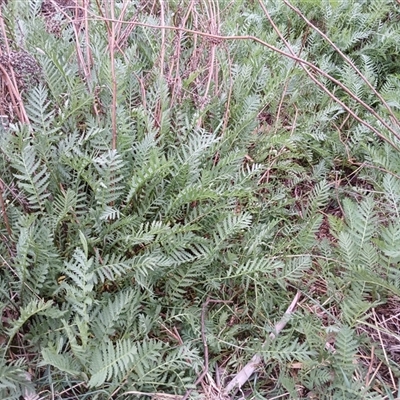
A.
pixel 247 371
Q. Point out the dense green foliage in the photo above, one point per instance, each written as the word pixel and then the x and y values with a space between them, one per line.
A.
pixel 234 182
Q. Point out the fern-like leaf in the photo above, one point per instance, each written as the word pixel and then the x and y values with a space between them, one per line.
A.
pixel 346 350
pixel 112 362
pixel 34 307
pixel 39 107
pixel 109 188
pixel 33 177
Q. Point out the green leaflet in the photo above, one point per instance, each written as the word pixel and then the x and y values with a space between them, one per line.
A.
pixel 234 182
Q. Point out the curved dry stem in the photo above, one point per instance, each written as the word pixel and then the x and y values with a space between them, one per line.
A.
pixel 347 59
pixel 330 94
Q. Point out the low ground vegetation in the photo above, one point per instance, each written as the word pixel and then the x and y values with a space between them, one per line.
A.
pixel 187 186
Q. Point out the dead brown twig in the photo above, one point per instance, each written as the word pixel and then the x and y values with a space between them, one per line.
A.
pixel 204 341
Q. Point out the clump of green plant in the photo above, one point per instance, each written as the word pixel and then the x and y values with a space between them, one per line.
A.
pixel 166 194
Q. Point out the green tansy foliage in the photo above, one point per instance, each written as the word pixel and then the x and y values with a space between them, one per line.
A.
pixel 216 189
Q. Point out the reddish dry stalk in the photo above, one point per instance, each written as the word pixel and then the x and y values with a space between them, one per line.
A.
pixel 80 58
pixel 15 95
pixel 11 82
pixel 76 21
pixel 89 58
pixel 121 17
pixel 158 107
pixel 110 23
pixel 12 91
pixel 213 22
pixel 176 58
pixel 229 97
pixel 114 30
pixel 120 34
pixel 162 20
